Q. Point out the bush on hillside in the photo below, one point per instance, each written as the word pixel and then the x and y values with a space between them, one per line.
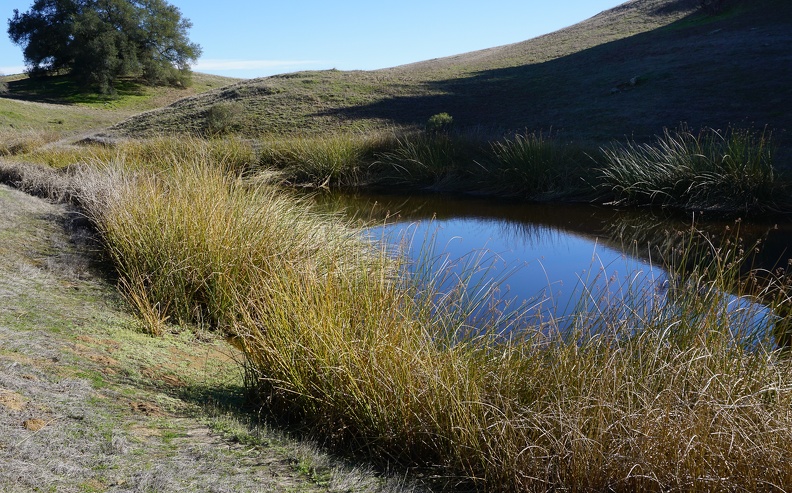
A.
pixel 221 118
pixel 439 123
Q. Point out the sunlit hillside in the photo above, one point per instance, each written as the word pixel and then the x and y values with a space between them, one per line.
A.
pixel 629 71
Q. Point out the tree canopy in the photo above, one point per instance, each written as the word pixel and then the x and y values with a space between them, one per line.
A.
pixel 99 41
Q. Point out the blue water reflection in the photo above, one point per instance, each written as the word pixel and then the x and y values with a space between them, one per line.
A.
pixel 544 273
pixel 552 264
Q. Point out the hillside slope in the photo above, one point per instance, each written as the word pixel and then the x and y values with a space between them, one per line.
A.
pixel 631 70
pixel 60 105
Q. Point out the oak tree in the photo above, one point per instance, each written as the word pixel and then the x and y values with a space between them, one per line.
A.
pixel 99 41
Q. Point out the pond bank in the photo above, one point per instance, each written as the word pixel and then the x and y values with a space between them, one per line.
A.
pixel 89 403
pixel 335 340
pixel 729 172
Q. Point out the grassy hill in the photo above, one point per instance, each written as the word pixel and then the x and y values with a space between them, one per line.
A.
pixel 629 71
pixel 59 105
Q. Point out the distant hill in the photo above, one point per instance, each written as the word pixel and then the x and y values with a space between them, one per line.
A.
pixel 59 104
pixel 628 71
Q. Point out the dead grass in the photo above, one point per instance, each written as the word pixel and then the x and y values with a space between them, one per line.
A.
pixel 77 409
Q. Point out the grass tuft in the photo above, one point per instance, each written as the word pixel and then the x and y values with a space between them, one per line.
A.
pixel 533 165
pixel 339 160
pixel 731 170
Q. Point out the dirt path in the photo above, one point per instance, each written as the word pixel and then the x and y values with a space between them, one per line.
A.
pixel 89 404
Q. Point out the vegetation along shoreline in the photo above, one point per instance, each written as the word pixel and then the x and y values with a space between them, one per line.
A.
pixel 189 190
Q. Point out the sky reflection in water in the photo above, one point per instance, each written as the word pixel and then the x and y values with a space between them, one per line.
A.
pixel 549 259
pixel 541 269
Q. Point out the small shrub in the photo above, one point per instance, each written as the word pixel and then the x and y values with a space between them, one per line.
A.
pixel 439 123
pixel 222 118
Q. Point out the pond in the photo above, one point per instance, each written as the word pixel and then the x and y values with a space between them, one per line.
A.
pixel 550 262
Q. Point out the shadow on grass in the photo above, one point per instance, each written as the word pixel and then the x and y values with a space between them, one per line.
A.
pixel 239 416
pixel 65 90
pixel 709 71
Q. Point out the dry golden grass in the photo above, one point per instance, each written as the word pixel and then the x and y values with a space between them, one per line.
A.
pixel 684 395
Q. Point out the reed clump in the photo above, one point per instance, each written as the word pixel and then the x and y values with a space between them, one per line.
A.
pixel 527 164
pixel 722 170
pixel 339 160
pixel 436 159
pixel 730 171
pixel 534 165
pixel 682 395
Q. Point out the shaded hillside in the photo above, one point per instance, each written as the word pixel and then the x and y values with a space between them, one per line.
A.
pixel 631 70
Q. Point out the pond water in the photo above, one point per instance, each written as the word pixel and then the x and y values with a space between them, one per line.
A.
pixel 547 261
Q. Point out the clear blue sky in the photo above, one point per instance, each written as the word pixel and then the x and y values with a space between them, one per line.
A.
pixel 255 38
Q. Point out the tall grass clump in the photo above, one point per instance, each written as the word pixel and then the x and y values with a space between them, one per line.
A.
pixel 185 235
pixel 532 165
pixel 438 159
pixel 528 165
pixel 683 395
pixel 340 160
pixel 358 160
pixel 731 170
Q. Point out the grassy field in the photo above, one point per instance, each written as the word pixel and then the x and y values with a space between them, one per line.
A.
pixel 59 108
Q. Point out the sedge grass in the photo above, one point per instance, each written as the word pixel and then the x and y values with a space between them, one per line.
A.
pixel 731 170
pixel 374 159
pixel 712 170
pixel 435 159
pixel 532 165
pixel 671 398
pixel 339 160
pixel 529 165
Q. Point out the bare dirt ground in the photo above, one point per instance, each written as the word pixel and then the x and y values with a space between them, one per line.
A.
pixel 90 404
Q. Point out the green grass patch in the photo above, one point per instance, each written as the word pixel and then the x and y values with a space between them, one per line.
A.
pixel 130 93
pixel 731 170
pixel 19 116
pixel 525 165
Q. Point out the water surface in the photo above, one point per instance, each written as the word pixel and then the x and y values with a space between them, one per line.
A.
pixel 548 259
